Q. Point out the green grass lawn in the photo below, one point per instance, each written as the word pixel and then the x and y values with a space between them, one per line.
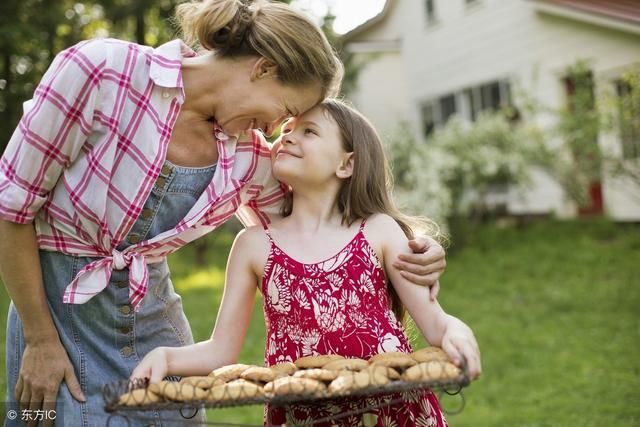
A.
pixel 555 307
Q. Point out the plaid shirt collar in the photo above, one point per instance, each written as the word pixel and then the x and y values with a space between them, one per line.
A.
pixel 166 63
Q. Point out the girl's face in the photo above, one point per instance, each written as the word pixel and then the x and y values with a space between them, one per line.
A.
pixel 310 150
pixel 263 102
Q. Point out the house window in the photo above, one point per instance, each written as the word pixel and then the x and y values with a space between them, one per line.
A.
pixel 447 107
pixel 437 112
pixel 629 119
pixel 467 103
pixel 428 119
pixel 430 9
pixel 492 96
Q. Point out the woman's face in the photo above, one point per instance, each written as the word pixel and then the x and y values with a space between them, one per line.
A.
pixel 264 102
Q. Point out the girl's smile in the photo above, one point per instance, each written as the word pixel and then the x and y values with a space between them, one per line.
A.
pixel 284 152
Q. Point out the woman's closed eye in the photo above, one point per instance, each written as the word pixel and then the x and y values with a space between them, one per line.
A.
pixel 308 131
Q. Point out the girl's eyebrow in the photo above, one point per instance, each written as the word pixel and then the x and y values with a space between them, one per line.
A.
pixel 309 122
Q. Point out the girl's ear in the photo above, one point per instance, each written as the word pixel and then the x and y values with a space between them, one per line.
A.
pixel 263 68
pixel 345 168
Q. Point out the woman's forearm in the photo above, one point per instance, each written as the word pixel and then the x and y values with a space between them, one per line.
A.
pixel 22 276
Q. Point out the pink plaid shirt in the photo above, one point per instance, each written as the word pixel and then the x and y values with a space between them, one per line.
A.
pixel 90 147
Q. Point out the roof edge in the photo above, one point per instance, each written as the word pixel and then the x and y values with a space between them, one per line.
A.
pixel 588 16
pixel 368 23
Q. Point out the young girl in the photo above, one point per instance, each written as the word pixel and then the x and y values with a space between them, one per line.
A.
pixel 325 271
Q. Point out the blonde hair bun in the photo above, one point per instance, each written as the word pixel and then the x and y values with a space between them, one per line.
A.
pixel 216 24
pixel 272 30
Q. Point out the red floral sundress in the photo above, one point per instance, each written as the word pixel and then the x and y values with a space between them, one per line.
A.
pixel 337 306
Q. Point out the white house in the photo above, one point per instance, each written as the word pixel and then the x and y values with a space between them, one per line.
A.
pixel 429 59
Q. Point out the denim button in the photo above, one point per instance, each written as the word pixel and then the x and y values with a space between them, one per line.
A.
pixel 134 238
pixel 160 182
pixel 125 330
pixel 147 213
pixel 126 351
pixel 166 170
pixel 125 309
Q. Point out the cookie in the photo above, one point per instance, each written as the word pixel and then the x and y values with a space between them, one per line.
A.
pixel 287 386
pixel 259 374
pixel 235 390
pixel 393 360
pixel 179 392
pixel 431 371
pixel 390 373
pixel 286 368
pixel 429 354
pixel 204 383
pixel 138 397
pixel 229 372
pixel 310 362
pixel 346 365
pixel 319 374
pixel 346 384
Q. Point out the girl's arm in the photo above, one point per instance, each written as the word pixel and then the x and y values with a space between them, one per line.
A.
pixel 439 328
pixel 223 348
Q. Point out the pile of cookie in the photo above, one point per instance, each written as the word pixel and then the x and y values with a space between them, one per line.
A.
pixel 308 378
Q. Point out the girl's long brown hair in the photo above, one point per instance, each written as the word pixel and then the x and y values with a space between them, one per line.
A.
pixel 369 189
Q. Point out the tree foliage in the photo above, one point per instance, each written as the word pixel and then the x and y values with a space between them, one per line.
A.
pixel 32 32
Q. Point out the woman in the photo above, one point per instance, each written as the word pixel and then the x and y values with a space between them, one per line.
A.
pixel 125 154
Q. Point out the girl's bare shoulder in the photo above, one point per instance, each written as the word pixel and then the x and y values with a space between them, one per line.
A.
pixel 251 237
pixel 380 225
pixel 252 244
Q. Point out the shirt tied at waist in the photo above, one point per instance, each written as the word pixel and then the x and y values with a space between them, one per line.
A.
pixel 94 277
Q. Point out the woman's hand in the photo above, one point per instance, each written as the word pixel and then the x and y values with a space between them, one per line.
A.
pixel 153 366
pixel 458 341
pixel 425 266
pixel 45 364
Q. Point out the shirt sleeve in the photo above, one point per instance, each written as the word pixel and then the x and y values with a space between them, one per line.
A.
pixel 267 203
pixel 52 131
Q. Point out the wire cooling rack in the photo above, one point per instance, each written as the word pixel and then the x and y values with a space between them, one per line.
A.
pixel 124 398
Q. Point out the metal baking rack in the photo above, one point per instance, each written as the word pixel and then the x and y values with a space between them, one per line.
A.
pixel 135 409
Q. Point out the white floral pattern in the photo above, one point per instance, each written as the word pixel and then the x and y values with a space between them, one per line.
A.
pixel 279 290
pixel 338 306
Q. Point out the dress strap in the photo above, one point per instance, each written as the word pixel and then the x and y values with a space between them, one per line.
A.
pixel 268 233
pixel 362 224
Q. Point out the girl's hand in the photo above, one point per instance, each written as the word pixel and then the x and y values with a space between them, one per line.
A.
pixel 425 266
pixel 458 341
pixel 153 366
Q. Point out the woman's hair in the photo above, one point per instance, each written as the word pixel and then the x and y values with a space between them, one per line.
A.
pixel 369 189
pixel 274 31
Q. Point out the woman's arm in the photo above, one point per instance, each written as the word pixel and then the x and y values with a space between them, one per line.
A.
pixel 223 348
pixel 423 264
pixel 45 363
pixel 54 128
pixel 439 328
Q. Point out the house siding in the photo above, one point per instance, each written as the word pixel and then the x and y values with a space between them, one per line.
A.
pixel 494 39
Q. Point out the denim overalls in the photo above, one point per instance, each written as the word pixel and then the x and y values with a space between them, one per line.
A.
pixel 104 338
